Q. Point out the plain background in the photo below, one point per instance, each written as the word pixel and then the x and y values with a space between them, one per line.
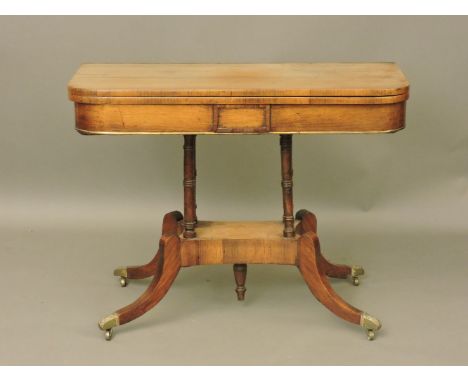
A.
pixel 73 207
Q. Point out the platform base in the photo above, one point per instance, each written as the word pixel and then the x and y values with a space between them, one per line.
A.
pixel 240 243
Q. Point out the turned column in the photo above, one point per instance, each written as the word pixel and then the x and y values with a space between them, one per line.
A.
pixel 189 186
pixel 194 158
pixel 286 184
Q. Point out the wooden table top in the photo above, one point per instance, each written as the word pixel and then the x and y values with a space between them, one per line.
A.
pixel 238 80
pixel 238 98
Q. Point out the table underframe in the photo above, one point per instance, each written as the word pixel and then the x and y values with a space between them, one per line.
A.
pixel 185 241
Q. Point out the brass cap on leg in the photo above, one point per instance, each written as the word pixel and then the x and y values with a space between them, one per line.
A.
pixel 357 270
pixel 370 323
pixel 109 322
pixel 122 272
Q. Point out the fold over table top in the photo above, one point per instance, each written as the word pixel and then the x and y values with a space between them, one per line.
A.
pixel 238 98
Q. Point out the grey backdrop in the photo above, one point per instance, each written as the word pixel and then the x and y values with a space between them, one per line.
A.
pixel 74 207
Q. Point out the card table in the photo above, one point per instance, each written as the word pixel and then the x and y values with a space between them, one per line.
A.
pixel 204 99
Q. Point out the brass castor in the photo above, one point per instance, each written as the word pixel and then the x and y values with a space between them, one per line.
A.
pixel 370 324
pixel 370 335
pixel 107 324
pixel 122 272
pixel 356 271
pixel 108 334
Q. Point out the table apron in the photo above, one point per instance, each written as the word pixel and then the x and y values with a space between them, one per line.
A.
pixel 238 119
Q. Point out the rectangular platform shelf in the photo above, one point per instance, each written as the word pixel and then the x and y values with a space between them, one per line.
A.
pixel 234 242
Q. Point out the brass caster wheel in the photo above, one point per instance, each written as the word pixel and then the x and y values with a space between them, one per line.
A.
pixel 108 334
pixel 107 324
pixel 370 324
pixel 122 273
pixel 356 271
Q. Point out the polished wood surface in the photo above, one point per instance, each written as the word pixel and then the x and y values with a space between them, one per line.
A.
pixel 166 267
pixel 244 80
pixel 241 119
pixel 242 100
pixel 290 98
pixel 316 279
pixel 204 119
pixel 337 118
pixel 190 219
pixel 287 185
pixel 284 99
pixel 171 226
pixel 249 242
pixel 143 119
pixel 242 243
pixel 308 223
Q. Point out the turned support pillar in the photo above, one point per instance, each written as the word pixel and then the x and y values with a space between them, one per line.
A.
pixel 190 216
pixel 287 184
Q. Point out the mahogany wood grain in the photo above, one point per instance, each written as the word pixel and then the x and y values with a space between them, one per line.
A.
pixel 192 99
pixel 287 184
pixel 316 279
pixel 235 242
pixel 308 223
pixel 240 243
pixel 231 80
pixel 290 98
pixel 189 186
pixel 171 223
pixel 337 118
pixel 194 175
pixel 240 274
pixel 337 271
pixel 241 100
pixel 137 272
pixel 169 267
pixel 263 119
pixel 171 226
pixel 142 119
pixel 241 118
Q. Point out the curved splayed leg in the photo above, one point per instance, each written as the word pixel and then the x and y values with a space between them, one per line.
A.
pixel 308 223
pixel 171 226
pixel 166 271
pixel 313 271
